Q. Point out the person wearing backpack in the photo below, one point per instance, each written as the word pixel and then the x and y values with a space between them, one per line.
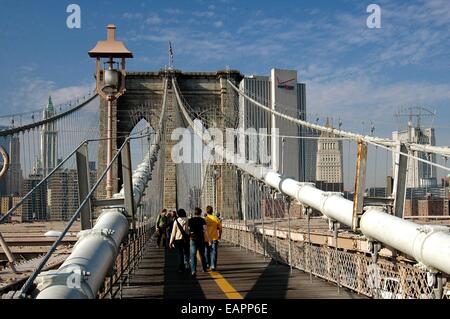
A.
pixel 197 234
pixel 179 239
pixel 161 225
pixel 171 216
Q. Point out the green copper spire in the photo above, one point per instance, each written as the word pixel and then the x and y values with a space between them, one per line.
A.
pixel 50 104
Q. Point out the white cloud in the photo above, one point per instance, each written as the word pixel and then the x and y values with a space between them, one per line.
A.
pixel 153 20
pixel 29 67
pixel 150 19
pixel 349 69
pixel 364 99
pixel 33 93
pixel 201 14
pixel 173 11
pixel 64 94
pixel 132 16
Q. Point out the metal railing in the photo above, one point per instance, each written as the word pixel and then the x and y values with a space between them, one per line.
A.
pixel 28 284
pixel 83 201
pixel 127 261
pixel 94 255
pixel 374 222
pixel 383 278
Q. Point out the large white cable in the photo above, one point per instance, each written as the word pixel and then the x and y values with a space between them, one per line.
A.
pixel 429 245
pixel 94 254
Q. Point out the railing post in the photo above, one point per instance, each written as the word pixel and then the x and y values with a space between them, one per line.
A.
pixel 308 211
pixel 111 286
pixel 134 251
pixel 239 242
pixel 360 181
pixel 401 163
pixel 359 272
pixel 263 213
pixel 335 226
pixel 128 260
pixel 121 261
pixel 288 203
pixel 128 183
pixel 84 186
pixel 275 237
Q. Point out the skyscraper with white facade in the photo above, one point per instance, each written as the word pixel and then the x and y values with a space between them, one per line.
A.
pixel 48 158
pixel 419 174
pixel 329 171
pixel 281 92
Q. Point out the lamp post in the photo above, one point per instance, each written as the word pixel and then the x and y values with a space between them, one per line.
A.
pixel 110 84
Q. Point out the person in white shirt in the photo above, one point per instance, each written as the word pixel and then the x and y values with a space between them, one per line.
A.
pixel 179 239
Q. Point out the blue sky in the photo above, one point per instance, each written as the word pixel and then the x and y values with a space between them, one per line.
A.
pixel 351 71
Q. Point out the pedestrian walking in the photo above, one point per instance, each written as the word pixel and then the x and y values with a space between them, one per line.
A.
pixel 171 216
pixel 179 239
pixel 161 226
pixel 214 231
pixel 197 233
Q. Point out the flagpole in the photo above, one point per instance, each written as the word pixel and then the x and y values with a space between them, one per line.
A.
pixel 170 66
pixel 170 55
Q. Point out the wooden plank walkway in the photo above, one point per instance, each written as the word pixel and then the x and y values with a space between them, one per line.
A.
pixel 248 274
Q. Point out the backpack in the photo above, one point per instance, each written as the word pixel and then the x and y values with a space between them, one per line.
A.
pixel 162 221
pixel 183 233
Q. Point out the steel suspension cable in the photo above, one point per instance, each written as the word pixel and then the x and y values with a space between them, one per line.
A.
pixel 383 141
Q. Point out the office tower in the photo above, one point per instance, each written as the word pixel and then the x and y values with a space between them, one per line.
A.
pixel 419 174
pixel 5 204
pixel 14 176
pixel 48 159
pixel 329 173
pixel 35 206
pixel 281 92
pixel 311 155
pixel 62 192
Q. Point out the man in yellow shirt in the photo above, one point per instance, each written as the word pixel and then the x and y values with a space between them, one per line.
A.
pixel 214 229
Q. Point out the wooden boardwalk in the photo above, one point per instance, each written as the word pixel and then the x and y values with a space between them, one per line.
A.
pixel 240 274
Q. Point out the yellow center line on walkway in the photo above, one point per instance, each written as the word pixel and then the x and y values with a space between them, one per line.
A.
pixel 226 287
pixel 223 284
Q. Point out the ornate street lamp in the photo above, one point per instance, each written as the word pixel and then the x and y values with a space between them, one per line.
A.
pixel 110 82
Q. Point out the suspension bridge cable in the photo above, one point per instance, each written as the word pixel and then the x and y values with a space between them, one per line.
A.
pixel 48 120
pixel 383 141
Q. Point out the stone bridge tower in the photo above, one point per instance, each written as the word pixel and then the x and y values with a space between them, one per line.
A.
pixel 206 92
